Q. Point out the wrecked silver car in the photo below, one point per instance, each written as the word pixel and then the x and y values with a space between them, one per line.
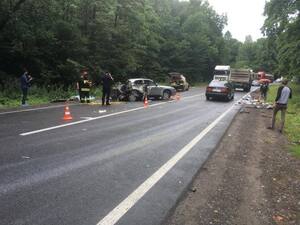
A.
pixel 136 89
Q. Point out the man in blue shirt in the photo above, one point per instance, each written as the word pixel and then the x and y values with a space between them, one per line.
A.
pixel 25 84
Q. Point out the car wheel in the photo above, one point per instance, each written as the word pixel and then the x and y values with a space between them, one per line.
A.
pixel 166 95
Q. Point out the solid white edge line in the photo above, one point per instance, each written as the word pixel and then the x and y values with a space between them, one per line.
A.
pixel 95 118
pixel 35 109
pixel 118 212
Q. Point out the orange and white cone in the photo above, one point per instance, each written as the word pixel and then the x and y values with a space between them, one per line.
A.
pixel 145 102
pixel 67 113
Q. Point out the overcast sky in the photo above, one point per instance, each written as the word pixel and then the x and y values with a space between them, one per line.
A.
pixel 244 16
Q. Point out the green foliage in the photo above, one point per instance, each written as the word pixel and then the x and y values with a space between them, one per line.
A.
pixel 56 39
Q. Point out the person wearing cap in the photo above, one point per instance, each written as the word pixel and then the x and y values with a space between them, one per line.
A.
pixel 107 81
pixel 84 87
pixel 284 93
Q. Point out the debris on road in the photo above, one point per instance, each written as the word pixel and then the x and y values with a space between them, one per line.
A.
pixel 252 101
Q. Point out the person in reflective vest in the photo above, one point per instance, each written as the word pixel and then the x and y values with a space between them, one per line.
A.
pixel 84 87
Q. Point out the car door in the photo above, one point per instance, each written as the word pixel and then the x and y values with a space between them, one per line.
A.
pixel 153 89
pixel 230 86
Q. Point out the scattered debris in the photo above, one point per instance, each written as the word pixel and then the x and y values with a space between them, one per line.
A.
pixel 244 111
pixel 193 189
pixel 250 101
pixel 25 157
pixel 278 218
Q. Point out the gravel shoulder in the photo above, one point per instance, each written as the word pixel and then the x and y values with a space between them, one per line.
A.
pixel 250 179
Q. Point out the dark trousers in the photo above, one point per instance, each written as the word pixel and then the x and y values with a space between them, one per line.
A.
pixel 24 95
pixel 105 95
pixel 264 95
pixel 84 95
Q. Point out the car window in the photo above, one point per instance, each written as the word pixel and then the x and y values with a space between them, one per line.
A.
pixel 138 82
pixel 215 83
pixel 227 85
pixel 149 83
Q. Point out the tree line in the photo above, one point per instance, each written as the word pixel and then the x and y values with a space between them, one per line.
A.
pixel 55 39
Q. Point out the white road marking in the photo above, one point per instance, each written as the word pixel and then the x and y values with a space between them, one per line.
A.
pixel 34 109
pixel 86 118
pixel 95 118
pixel 119 211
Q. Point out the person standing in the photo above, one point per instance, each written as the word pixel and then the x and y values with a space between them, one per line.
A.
pixel 264 88
pixel 25 85
pixel 281 101
pixel 84 87
pixel 107 81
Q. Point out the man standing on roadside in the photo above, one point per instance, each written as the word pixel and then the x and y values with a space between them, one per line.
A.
pixel 107 81
pixel 264 88
pixel 25 84
pixel 281 101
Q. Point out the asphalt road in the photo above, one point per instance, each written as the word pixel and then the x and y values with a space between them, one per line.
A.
pixel 122 164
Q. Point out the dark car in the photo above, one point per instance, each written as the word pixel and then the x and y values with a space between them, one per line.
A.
pixel 219 90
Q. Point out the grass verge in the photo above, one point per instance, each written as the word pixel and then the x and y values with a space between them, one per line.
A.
pixel 11 97
pixel 292 123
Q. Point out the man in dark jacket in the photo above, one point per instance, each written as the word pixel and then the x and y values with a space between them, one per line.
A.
pixel 25 84
pixel 281 101
pixel 264 88
pixel 107 82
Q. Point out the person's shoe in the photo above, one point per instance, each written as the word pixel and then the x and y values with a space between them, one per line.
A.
pixel 108 103
pixel 24 105
pixel 270 128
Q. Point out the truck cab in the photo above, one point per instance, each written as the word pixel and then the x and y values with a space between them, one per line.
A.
pixel 222 71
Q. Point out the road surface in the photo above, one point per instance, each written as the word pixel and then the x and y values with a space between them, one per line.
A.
pixel 122 164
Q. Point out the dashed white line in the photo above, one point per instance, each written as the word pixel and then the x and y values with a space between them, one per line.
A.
pixel 95 118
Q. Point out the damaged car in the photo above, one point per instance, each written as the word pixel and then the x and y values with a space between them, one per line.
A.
pixel 137 88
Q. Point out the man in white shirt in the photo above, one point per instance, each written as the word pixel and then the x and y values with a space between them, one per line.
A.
pixel 281 101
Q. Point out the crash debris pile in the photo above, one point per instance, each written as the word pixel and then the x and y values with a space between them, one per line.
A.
pixel 254 102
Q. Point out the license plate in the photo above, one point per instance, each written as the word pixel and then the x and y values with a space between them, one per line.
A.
pixel 216 90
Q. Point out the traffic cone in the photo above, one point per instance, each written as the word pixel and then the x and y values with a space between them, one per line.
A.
pixel 145 102
pixel 177 96
pixel 67 113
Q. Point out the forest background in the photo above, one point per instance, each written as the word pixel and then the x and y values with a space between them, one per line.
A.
pixel 55 39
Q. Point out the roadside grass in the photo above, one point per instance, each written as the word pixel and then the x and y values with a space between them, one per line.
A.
pixel 40 95
pixel 292 123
